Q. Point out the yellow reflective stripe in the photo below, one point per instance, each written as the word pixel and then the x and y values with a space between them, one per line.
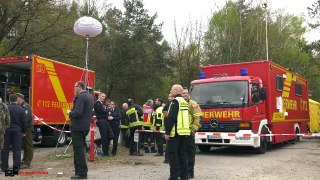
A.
pixel 133 124
pixel 130 111
pixel 124 127
pixel 55 82
pixel 197 114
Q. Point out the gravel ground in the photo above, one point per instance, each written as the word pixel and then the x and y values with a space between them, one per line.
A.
pixel 284 161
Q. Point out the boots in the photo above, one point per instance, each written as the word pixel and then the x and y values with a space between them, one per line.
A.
pixel 153 150
pixel 146 150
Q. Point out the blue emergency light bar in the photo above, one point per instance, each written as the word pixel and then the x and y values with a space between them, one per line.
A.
pixel 202 75
pixel 243 72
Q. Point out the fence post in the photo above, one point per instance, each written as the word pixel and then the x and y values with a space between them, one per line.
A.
pixel 92 149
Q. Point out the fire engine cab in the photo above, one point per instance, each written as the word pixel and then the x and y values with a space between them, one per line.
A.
pixel 250 104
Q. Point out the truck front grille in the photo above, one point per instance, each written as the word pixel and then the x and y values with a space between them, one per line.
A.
pixel 221 127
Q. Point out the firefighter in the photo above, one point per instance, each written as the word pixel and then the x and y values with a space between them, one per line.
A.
pixel 28 139
pixel 114 122
pixel 102 123
pixel 194 116
pixel 125 132
pixel 12 136
pixel 134 113
pixel 165 111
pixel 159 125
pixel 177 130
pixel 148 138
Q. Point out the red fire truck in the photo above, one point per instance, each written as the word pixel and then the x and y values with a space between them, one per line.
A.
pixel 252 104
pixel 48 87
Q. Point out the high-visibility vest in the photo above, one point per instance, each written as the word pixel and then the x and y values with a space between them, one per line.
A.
pixel 147 116
pixel 159 119
pixel 183 121
pixel 134 119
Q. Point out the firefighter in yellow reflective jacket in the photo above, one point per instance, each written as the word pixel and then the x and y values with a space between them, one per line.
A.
pixel 194 116
pixel 134 114
pixel 159 125
pixel 177 130
pixel 148 138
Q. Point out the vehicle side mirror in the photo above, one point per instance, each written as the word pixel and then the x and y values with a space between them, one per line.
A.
pixel 263 93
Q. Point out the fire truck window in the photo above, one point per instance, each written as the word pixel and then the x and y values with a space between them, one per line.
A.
pixel 255 93
pixel 2 91
pixel 279 81
pixel 298 89
pixel 14 78
pixel 217 94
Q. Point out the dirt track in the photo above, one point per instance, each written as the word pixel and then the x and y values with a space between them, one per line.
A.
pixel 285 161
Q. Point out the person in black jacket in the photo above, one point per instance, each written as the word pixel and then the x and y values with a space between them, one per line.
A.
pixel 28 139
pixel 165 111
pixel 114 117
pixel 13 134
pixel 125 126
pixel 80 117
pixel 102 123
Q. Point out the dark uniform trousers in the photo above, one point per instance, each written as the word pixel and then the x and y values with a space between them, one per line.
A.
pixel 177 147
pixel 125 137
pixel 79 149
pixel 133 147
pixel 12 136
pixel 105 133
pixel 191 151
pixel 28 146
pixel 115 139
pixel 146 137
pixel 159 140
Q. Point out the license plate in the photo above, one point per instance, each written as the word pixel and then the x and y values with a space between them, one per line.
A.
pixel 214 137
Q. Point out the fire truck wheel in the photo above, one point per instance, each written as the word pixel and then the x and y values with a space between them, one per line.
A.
pixel 204 148
pixel 263 146
pixel 60 139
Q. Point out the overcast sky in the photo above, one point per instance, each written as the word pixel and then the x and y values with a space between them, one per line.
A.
pixel 182 11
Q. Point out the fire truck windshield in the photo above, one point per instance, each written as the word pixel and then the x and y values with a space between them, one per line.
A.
pixel 231 94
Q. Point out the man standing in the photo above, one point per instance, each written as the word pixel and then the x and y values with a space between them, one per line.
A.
pixel 134 113
pixel 148 137
pixel 159 125
pixel 4 122
pixel 102 123
pixel 114 117
pixel 28 139
pixel 165 111
pixel 13 134
pixel 125 126
pixel 177 131
pixel 80 117
pixel 195 115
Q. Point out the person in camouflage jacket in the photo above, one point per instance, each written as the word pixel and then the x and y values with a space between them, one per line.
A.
pixel 4 120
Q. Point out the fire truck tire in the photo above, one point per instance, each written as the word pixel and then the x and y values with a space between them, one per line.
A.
pixel 263 146
pixel 204 148
pixel 61 140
